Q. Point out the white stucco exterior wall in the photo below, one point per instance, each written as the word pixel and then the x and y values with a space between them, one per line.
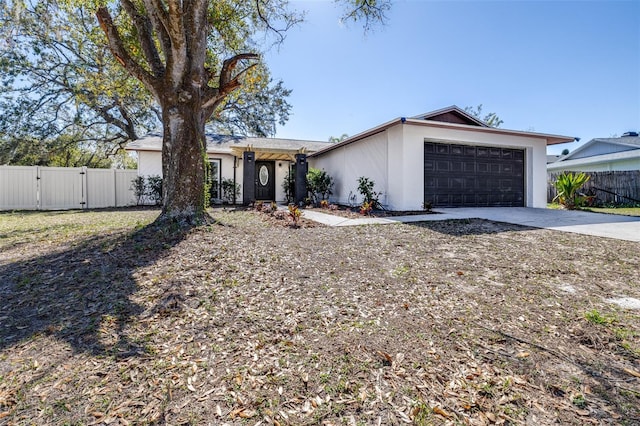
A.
pixel 149 163
pixel 394 159
pixel 282 168
pixel 414 137
pixel 366 158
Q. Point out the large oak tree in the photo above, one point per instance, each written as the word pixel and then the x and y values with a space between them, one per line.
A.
pixel 192 55
pixel 65 100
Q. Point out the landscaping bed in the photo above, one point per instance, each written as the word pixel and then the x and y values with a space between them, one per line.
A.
pixel 105 320
pixel 350 212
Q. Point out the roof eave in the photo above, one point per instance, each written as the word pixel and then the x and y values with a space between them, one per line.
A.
pixel 551 139
pixel 596 159
pixel 359 136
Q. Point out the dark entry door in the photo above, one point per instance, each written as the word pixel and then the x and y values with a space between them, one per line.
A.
pixel 265 180
pixel 473 176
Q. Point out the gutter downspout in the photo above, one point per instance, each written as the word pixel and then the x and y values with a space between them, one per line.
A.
pixel 235 162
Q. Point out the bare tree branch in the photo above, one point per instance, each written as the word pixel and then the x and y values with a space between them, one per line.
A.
pixel 227 81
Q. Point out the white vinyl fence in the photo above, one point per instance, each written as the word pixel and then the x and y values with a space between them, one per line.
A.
pixel 60 188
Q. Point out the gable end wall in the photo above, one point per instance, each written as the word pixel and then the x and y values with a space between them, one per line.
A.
pixel 601 148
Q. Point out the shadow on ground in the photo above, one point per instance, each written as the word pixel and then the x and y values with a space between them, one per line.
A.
pixel 463 227
pixel 68 294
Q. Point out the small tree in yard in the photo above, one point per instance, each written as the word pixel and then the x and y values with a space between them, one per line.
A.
pixel 568 185
pixel 139 189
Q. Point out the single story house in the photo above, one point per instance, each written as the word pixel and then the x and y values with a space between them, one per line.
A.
pixel 602 155
pixel 446 158
pixel 272 160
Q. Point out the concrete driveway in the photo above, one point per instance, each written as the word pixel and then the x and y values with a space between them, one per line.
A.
pixel 597 224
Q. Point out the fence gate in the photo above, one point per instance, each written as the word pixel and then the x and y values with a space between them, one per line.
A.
pixel 60 188
pixel 18 188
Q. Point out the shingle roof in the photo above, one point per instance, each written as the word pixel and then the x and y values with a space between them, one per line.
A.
pixel 624 140
pixel 633 142
pixel 224 143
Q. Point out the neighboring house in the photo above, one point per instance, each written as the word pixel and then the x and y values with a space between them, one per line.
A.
pixel 445 158
pixel 272 160
pixel 552 158
pixel 602 155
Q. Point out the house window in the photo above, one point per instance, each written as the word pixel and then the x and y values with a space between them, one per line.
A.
pixel 213 180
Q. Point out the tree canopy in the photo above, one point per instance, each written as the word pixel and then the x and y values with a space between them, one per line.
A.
pixel 491 119
pixel 65 100
pixel 59 88
pixel 336 139
pixel 190 58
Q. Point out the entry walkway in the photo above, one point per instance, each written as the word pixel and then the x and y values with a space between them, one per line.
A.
pixel 597 224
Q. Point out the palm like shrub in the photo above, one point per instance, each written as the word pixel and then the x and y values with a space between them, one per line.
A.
pixel 568 185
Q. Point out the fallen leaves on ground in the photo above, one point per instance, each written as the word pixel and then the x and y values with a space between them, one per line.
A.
pixel 243 322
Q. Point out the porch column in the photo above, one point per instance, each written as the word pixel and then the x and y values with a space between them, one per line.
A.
pixel 248 177
pixel 300 192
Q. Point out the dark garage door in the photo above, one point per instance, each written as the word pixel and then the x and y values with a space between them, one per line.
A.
pixel 473 176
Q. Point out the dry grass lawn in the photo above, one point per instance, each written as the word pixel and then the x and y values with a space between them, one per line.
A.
pixel 105 320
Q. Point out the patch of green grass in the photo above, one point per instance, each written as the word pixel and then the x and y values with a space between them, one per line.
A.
pixel 400 271
pixel 422 414
pixel 579 401
pixel 24 227
pixel 595 317
pixel 626 211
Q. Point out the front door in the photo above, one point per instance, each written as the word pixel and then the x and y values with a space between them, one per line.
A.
pixel 265 180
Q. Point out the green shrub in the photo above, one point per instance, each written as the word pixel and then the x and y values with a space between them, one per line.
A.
pixel 568 185
pixel 230 191
pixel 370 197
pixel 147 189
pixel 154 189
pixel 139 189
pixel 319 185
pixel 288 185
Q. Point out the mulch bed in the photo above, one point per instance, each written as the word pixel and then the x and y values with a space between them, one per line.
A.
pixel 105 320
pixel 354 212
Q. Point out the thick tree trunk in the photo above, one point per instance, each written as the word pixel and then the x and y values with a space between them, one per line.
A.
pixel 183 152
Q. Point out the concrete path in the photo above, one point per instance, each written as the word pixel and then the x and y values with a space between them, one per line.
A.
pixel 597 224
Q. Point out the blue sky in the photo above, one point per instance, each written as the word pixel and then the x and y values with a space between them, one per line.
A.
pixel 563 67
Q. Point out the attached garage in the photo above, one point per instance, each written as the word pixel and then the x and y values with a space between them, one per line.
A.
pixel 473 176
pixel 445 157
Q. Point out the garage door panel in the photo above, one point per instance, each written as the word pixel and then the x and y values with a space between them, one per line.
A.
pixel 443 166
pixel 443 149
pixel 469 167
pixel 463 175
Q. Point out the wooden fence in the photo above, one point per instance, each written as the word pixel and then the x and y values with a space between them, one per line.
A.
pixel 61 188
pixel 607 187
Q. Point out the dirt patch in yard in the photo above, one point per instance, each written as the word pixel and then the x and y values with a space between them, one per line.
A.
pixel 107 321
